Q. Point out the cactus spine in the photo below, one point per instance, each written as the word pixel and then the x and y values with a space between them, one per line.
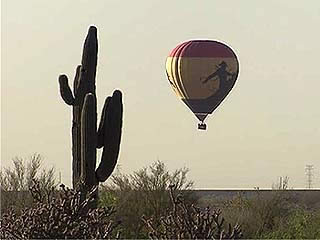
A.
pixel 85 136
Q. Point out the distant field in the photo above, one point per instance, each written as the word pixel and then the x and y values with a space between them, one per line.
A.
pixel 310 198
pixel 225 193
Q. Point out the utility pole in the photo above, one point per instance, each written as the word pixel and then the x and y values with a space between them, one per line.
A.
pixel 309 173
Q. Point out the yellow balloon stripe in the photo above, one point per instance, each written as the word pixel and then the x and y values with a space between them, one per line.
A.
pixel 180 79
pixel 170 67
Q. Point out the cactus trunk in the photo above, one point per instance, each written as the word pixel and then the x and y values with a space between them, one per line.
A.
pixel 85 138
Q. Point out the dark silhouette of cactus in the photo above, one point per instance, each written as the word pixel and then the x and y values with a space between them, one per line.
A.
pixel 85 137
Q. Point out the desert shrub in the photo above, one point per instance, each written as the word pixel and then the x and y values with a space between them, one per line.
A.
pixel 301 224
pixel 260 213
pixel 15 182
pixel 62 217
pixel 265 212
pixel 272 214
pixel 185 221
pixel 145 192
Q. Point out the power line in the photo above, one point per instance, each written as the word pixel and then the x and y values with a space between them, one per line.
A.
pixel 309 173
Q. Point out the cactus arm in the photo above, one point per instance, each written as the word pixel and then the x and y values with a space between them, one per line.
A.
pixel 88 140
pixel 112 137
pixel 65 90
pixel 100 134
pixel 113 123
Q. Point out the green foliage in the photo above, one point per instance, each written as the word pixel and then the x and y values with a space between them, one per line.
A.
pixel 15 182
pixel 145 192
pixel 301 224
pixel 107 198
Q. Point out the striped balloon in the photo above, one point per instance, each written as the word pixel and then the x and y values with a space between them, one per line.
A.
pixel 202 73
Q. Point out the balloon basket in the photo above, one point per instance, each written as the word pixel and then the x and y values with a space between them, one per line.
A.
pixel 202 126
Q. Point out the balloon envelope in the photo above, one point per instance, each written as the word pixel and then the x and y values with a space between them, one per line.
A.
pixel 202 73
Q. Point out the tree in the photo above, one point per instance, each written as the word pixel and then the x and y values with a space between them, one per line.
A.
pixel 143 193
pixel 15 182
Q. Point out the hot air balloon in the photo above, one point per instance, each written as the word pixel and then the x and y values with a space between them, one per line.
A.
pixel 202 73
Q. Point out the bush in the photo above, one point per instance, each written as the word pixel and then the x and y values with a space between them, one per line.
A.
pixel 144 192
pixel 301 224
pixel 264 212
pixel 61 217
pixel 258 214
pixel 15 182
pixel 189 222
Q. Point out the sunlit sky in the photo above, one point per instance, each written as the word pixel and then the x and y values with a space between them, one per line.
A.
pixel 267 127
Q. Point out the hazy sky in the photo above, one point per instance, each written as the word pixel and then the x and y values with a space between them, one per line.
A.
pixel 267 127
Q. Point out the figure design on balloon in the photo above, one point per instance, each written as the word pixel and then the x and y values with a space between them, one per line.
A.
pixel 225 78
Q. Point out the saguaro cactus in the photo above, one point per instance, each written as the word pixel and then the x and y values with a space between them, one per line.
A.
pixel 85 136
